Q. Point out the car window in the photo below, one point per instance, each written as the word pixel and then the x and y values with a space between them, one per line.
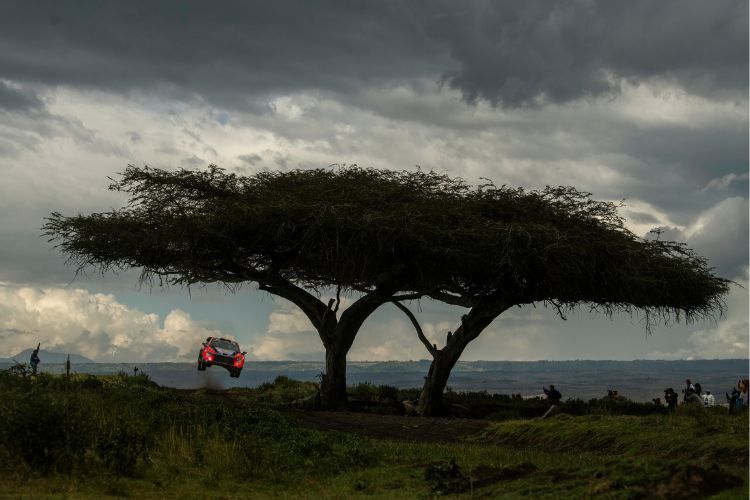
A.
pixel 225 344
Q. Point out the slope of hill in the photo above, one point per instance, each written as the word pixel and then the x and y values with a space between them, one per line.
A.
pixel 124 436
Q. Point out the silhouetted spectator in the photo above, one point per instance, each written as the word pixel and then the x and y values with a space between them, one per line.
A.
pixel 553 395
pixel 732 400
pixel 671 398
pixel 689 390
pixel 34 361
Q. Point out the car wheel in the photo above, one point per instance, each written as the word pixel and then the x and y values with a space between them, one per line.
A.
pixel 237 373
pixel 201 366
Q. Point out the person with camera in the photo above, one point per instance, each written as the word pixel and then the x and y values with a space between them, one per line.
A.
pixel 553 395
pixel 671 398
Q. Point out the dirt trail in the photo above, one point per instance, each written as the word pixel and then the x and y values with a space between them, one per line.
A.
pixel 438 430
pixel 396 427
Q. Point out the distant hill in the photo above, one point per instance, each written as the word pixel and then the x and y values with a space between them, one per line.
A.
pixel 47 357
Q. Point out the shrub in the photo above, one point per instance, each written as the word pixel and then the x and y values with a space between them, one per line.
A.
pixel 119 423
pixel 446 478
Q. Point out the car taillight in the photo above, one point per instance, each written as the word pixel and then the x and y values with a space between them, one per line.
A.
pixel 239 360
pixel 208 353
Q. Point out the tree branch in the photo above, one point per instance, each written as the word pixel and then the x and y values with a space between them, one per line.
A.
pixel 449 298
pixel 430 348
pixel 313 308
pixel 407 296
pixel 559 307
pixel 338 299
pixel 354 315
pixel 479 317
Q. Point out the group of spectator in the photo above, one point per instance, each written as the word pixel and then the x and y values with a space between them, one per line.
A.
pixel 693 393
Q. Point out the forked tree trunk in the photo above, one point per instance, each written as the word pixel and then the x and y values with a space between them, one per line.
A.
pixel 337 343
pixel 431 397
pixel 443 360
pixel 337 335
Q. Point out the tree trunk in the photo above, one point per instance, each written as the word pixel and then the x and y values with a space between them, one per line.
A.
pixel 337 344
pixel 337 335
pixel 431 397
pixel 333 384
pixel 443 360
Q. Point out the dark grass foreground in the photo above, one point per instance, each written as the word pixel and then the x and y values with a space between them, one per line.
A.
pixel 123 436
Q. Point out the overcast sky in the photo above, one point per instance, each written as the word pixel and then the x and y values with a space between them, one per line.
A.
pixel 641 100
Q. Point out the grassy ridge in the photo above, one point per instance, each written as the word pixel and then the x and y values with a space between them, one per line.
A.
pixel 127 426
pixel 695 434
pixel 120 436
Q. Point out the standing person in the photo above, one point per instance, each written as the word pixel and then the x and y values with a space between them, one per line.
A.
pixel 742 386
pixel 709 399
pixel 34 361
pixel 698 388
pixel 553 395
pixel 671 398
pixel 689 390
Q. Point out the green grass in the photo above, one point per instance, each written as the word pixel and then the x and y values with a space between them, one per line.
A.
pixel 121 436
pixel 691 433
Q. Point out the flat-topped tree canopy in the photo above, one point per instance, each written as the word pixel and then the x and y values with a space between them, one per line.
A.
pixel 561 246
pixel 357 227
pixel 347 226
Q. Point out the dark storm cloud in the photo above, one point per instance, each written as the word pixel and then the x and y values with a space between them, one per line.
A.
pixel 532 52
pixel 221 53
pixel 666 161
pixel 509 53
pixel 18 99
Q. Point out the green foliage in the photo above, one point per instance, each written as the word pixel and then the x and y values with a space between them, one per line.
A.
pixel 344 226
pixel 421 231
pixel 70 431
pixel 282 392
pixel 445 478
pixel 128 426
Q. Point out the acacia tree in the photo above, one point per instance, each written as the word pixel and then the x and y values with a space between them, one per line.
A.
pixel 376 232
pixel 389 236
pixel 560 248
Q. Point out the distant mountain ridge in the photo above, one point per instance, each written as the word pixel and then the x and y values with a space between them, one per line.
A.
pixel 46 357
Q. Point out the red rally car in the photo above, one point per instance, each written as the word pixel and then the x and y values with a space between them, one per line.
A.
pixel 221 352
